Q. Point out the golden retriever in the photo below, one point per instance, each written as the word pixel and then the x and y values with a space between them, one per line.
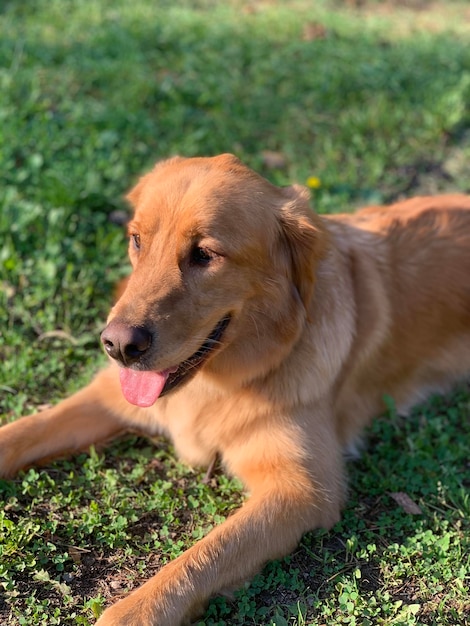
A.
pixel 254 329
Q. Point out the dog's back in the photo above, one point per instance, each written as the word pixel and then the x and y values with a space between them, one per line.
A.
pixel 411 275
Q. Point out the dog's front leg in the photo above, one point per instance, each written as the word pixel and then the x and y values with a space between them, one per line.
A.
pixel 287 500
pixel 94 414
pixel 265 528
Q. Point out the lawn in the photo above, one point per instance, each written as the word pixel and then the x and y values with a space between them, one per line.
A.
pixel 364 101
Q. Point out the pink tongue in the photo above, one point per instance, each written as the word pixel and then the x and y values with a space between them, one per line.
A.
pixel 142 388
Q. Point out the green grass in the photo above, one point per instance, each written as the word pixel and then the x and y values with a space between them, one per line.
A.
pixel 374 103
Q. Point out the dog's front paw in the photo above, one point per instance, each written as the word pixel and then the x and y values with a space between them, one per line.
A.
pixel 142 611
pixel 125 613
pixel 8 465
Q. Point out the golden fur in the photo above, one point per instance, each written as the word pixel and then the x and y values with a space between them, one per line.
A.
pixel 327 315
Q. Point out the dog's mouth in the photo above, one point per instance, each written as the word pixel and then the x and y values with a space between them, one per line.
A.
pixel 143 388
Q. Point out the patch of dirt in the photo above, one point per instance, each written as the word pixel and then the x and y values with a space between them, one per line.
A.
pixel 451 174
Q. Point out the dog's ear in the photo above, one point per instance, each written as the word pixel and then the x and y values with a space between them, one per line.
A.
pixel 304 238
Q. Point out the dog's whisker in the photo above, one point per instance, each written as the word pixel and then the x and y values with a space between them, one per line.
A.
pixel 255 324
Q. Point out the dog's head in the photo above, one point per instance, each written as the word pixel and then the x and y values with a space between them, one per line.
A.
pixel 223 275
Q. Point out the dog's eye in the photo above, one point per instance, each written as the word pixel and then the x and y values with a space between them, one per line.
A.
pixel 201 256
pixel 135 238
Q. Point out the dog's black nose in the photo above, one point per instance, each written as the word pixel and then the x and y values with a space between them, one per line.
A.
pixel 124 343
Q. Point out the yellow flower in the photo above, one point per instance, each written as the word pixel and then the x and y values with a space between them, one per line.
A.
pixel 313 182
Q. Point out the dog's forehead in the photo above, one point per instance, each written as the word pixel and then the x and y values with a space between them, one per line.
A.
pixel 205 195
